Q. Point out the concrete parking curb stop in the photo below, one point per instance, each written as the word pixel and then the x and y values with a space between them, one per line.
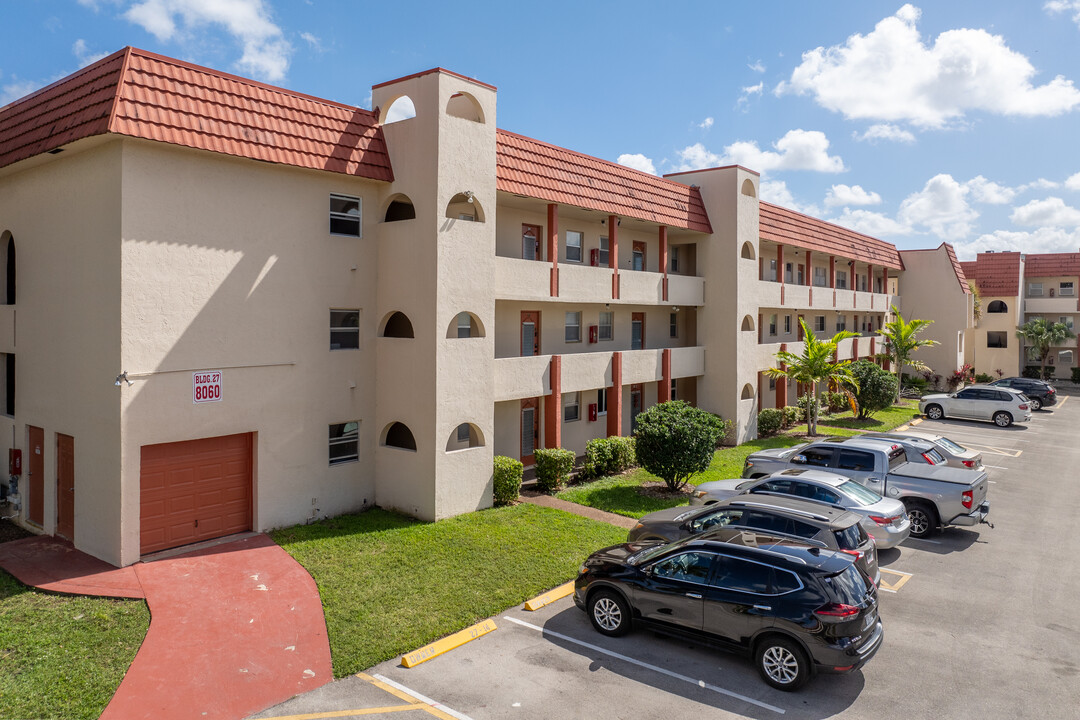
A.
pixel 447 643
pixel 549 597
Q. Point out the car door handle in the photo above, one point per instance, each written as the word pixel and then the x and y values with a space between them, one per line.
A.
pixel 763 607
pixel 696 596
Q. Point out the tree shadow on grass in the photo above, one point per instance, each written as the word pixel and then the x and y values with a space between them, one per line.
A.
pixel 629 500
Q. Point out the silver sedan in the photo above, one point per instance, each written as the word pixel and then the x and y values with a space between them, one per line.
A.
pixel 955 455
pixel 883 518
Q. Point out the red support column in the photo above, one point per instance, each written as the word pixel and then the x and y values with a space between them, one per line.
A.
pixel 781 383
pixel 614 397
pixel 855 348
pixel 885 281
pixel 553 406
pixel 553 246
pixel 872 353
pixel 613 255
pixel 663 393
pixel 664 258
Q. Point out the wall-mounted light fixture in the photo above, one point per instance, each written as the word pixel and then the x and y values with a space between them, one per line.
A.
pixel 122 378
pixel 469 195
pixel 618 222
pixel 675 309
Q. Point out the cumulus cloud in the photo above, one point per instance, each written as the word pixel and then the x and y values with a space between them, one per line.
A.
pixel 265 50
pixel 839 195
pixel 1073 182
pixel 797 150
pixel 777 192
pixel 983 190
pixel 1051 212
pixel 890 74
pixel 757 67
pixel 637 161
pixel 1064 6
pixel 941 207
pixel 885 131
pixel 313 41
pixel 1040 184
pixel 83 55
pixel 754 89
pixel 1042 240
pixel 871 223
pixel 706 123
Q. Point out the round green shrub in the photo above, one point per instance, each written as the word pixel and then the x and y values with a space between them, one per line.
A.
pixel 553 466
pixel 507 480
pixel 877 387
pixel 675 440
pixel 769 421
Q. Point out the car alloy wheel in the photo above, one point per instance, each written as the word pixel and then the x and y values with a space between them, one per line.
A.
pixel 934 412
pixel 782 664
pixel 1035 403
pixel 1002 419
pixel 609 613
pixel 922 521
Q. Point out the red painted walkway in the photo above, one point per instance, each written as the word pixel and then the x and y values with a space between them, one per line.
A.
pixel 234 628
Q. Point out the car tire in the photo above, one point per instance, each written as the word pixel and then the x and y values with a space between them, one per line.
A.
pixel 922 517
pixel 1003 419
pixel 1035 403
pixel 934 412
pixel 609 613
pixel 781 663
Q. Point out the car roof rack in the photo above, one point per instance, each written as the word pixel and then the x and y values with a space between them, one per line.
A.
pixel 766 506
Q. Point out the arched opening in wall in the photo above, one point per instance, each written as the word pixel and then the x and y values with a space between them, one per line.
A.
pixel 400 207
pixel 748 188
pixel 465 325
pixel 997 307
pixel 398 325
pixel 463 437
pixel 465 206
pixel 747 251
pixel 465 106
pixel 401 108
pixel 748 323
pixel 7 273
pixel 399 435
pixel 747 392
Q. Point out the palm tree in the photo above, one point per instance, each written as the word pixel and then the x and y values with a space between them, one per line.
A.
pixel 1041 337
pixel 900 342
pixel 814 366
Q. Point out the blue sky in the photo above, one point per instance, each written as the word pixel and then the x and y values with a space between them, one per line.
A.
pixel 915 123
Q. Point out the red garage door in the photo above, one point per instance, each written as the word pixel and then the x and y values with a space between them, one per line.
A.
pixel 194 490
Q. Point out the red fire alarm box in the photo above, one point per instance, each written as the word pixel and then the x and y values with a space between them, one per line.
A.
pixel 14 461
pixel 592 412
pixel 594 257
pixel 594 333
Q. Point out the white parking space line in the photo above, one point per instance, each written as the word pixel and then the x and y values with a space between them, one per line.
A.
pixel 933 542
pixel 996 467
pixel 408 691
pixel 647 666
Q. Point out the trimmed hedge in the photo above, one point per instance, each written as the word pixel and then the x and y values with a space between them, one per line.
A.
pixel 769 421
pixel 983 378
pixel 507 482
pixel 1032 371
pixel 608 456
pixel 792 415
pixel 553 466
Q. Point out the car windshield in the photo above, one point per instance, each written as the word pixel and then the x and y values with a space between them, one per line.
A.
pixel 744 485
pixel 648 553
pixel 861 495
pixel 847 586
pixel 950 445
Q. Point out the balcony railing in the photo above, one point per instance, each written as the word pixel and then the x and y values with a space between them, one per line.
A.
pixel 813 297
pixel 517 279
pixel 1051 305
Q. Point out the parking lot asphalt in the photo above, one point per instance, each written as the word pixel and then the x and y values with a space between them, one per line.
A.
pixel 981 623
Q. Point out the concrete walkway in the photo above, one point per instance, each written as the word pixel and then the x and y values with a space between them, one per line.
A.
pixel 234 628
pixel 582 510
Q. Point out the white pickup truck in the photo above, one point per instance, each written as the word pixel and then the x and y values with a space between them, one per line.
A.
pixel 934 495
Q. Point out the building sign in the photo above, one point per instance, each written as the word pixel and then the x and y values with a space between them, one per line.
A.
pixel 206 386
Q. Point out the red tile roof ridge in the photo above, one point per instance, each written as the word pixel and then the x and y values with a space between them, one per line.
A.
pixel 435 70
pixel 958 269
pixel 718 167
pixel 872 244
pixel 593 158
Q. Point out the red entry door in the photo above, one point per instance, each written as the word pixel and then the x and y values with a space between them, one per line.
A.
pixel 530 429
pixel 65 486
pixel 530 242
pixel 36 475
pixel 530 333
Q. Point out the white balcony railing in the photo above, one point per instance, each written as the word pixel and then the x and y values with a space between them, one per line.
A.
pixel 530 280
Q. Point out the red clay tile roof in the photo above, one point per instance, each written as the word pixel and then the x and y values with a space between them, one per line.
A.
pixel 960 276
pixel 1052 265
pixel 536 169
pixel 788 227
pixel 996 274
pixel 143 95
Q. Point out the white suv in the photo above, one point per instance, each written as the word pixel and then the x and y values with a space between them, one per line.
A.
pixel 1001 405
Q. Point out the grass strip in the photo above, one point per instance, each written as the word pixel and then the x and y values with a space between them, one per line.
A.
pixel 64 656
pixel 390 584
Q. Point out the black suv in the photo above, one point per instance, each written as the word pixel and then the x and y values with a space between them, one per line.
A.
pixel 1039 392
pixel 806 521
pixel 794 609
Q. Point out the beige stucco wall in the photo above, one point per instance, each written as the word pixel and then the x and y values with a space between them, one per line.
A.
pixel 989 360
pixel 932 292
pixel 64 213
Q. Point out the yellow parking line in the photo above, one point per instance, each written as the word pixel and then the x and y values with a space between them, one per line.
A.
pixel 351 713
pixel 549 597
pixel 1063 401
pixel 893 586
pixel 419 702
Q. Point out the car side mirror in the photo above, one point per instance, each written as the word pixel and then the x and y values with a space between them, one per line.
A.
pixel 799 459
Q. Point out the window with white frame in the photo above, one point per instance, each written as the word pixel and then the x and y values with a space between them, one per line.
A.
pixel 464 325
pixel 841 323
pixel 673 325
pixel 606 329
pixel 573 327
pixel 674 260
pixel 344 445
pixel 771 275
pixel 601 401
pixel 821 277
pixel 1066 289
pixel 574 241
pixel 344 329
pixel 819 323
pixel 841 279
pixel 571 409
pixel 603 254
pixel 787 324
pixel 1035 289
pixel 345 215
pixel 772 325
pixel 1065 358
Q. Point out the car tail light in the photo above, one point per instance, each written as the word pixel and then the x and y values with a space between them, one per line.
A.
pixel 883 521
pixel 969 463
pixel 969 499
pixel 836 611
pixel 928 459
pixel 1024 406
pixel 857 554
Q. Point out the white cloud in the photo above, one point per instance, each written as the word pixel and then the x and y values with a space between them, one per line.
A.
pixel 1063 6
pixel 871 223
pixel 885 131
pixel 265 50
pixel 637 161
pixel 850 195
pixel 797 150
pixel 941 207
pixel 83 54
pixel 1042 240
pixel 891 74
pixel 1040 184
pixel 706 123
pixel 986 191
pixel 1046 213
pixel 757 67
pixel 12 91
pixel 313 41
pixel 777 192
pixel 754 89
pixel 1073 182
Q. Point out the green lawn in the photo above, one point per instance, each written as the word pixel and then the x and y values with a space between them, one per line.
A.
pixel 390 584
pixel 61 656
pixel 882 421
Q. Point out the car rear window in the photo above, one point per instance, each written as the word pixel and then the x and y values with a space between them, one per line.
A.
pixel 950 445
pixel 897 457
pixel 937 457
pixel 849 538
pixel 847 586
pixel 859 494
